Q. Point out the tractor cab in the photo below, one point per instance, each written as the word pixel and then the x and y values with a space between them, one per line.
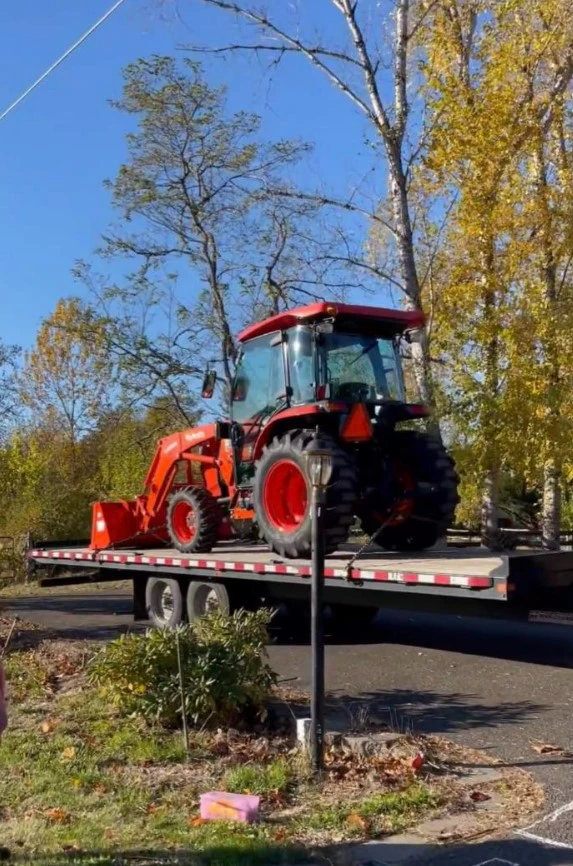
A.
pixel 321 358
pixel 307 364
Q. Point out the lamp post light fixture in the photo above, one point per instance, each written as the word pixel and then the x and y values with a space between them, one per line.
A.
pixel 319 464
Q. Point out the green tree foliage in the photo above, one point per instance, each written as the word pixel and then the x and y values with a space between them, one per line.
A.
pixel 498 80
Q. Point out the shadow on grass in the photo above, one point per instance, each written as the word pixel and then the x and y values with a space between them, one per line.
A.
pixel 505 852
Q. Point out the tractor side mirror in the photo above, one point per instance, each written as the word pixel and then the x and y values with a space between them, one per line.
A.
pixel 208 386
pixel 416 335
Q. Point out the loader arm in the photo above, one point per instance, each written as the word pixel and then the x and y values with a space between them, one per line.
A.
pixel 170 452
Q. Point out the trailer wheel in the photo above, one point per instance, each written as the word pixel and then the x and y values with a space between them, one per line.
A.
pixel 203 598
pixel 281 495
pixel 193 520
pixel 164 602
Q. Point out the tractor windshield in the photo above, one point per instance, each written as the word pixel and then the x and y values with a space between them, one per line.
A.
pixel 360 368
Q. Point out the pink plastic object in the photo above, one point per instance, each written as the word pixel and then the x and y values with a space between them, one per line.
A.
pixel 220 806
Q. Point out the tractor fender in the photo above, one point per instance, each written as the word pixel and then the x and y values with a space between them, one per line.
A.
pixel 323 415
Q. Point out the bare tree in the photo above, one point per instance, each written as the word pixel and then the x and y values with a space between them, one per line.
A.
pixel 212 245
pixel 364 70
pixel 212 231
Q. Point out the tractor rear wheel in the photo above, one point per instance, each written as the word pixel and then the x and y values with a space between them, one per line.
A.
pixel 282 492
pixel 422 463
pixel 193 520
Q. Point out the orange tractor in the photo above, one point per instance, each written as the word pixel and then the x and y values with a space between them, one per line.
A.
pixel 327 373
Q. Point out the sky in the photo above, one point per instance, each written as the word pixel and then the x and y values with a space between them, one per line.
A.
pixel 60 144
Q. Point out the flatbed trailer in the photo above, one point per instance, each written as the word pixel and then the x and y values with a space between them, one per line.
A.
pixel 169 586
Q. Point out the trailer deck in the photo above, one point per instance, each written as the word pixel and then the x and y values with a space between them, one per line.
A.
pixel 443 571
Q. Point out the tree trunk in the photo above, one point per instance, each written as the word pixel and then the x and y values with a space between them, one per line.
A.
pixel 551 509
pixel 551 502
pixel 489 420
pixel 489 504
pixel 408 271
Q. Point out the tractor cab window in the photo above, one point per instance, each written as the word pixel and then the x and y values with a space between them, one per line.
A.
pixel 259 386
pixel 360 368
pixel 301 364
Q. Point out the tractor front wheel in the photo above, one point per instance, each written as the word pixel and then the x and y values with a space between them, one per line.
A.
pixel 282 493
pixel 193 520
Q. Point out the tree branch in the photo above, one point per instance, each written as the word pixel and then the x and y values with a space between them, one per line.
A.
pixel 348 9
pixel 316 50
pixel 297 45
pixel 400 60
pixel 328 201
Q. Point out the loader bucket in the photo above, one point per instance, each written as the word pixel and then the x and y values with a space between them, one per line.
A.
pixel 114 524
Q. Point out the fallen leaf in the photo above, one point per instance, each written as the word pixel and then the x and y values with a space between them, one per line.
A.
pixel 479 796
pixel 48 726
pixel 275 798
pixel 546 748
pixel 357 822
pixel 69 753
pixel 57 816
pixel 279 835
pixel 196 822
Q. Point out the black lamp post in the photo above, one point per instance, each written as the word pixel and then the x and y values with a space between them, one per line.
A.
pixel 319 461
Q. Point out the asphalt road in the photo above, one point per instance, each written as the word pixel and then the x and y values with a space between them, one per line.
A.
pixel 491 685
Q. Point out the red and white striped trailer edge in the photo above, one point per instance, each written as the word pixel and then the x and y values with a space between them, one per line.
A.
pixel 457 581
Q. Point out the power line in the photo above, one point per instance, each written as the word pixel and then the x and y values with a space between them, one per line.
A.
pixel 61 59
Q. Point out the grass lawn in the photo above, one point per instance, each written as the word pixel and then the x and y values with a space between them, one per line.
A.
pixel 77 778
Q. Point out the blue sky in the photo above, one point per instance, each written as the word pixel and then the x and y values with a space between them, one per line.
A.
pixel 61 143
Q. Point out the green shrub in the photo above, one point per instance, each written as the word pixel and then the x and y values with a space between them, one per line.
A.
pixel 225 672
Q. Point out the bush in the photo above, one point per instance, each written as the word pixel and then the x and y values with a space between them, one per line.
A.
pixel 225 673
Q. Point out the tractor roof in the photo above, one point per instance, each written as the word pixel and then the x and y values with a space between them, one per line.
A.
pixel 377 321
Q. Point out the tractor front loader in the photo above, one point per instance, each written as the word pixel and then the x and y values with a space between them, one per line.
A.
pixel 327 372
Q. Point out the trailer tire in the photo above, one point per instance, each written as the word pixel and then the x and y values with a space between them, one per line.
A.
pixel 164 602
pixel 281 494
pixel 203 597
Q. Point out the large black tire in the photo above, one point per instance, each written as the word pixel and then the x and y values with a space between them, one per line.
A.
pixel 193 519
pixel 164 602
pixel 281 495
pixel 434 498
pixel 202 598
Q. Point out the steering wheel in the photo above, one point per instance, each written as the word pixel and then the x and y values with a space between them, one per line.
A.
pixel 354 391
